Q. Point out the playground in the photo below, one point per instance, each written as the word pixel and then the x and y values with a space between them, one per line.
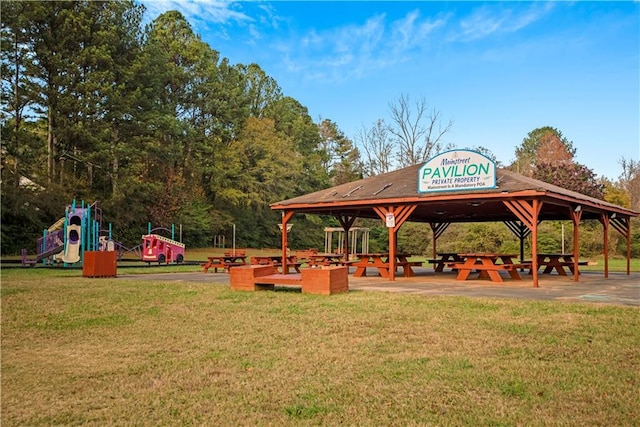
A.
pixel 79 237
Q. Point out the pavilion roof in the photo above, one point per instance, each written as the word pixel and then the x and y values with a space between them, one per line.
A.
pixel 401 187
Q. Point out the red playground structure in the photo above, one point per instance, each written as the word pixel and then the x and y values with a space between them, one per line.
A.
pixel 161 249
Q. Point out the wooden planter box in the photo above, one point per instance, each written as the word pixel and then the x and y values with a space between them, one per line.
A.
pixel 100 264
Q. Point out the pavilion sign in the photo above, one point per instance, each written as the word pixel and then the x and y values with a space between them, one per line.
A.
pixel 457 170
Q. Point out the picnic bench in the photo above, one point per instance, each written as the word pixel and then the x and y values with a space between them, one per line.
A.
pixel 321 281
pixel 236 252
pixel 558 262
pixel 487 266
pixel 304 255
pixel 317 259
pixel 381 262
pixel 445 259
pixel 223 262
pixel 276 261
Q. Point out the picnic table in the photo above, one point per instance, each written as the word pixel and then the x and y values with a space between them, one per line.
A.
pixel 381 262
pixel 444 258
pixel 276 261
pixel 315 260
pixel 487 266
pixel 224 262
pixel 557 262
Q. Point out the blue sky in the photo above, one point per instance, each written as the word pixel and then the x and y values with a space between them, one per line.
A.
pixel 498 70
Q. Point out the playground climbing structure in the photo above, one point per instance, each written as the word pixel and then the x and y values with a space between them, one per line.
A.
pixel 161 249
pixel 68 238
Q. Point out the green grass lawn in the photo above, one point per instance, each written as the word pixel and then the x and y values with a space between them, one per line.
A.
pixel 124 352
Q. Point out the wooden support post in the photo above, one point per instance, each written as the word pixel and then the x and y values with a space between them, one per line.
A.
pixel 397 216
pixel 576 214
pixel 528 212
pixel 286 216
pixel 604 220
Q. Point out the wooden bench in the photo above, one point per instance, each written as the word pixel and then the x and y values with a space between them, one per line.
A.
pixel 407 271
pixel 413 263
pixel 445 260
pixel 439 265
pixel 321 281
pixel 225 266
pixel 496 267
pixel 569 264
pixel 306 254
pixel 207 265
pixel 519 266
pixel 489 270
pixel 295 265
pixel 238 252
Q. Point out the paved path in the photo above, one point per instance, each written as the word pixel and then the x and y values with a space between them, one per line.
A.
pixel 618 289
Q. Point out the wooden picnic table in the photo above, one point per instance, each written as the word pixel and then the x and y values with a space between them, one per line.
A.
pixel 444 258
pixel 224 262
pixel 381 262
pixel 557 262
pixel 487 266
pixel 276 261
pixel 266 259
pixel 315 260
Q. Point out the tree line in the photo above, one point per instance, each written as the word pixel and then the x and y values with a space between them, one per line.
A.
pixel 159 127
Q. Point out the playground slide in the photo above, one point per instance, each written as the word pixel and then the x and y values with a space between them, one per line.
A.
pixel 72 244
pixel 49 253
pixel 58 225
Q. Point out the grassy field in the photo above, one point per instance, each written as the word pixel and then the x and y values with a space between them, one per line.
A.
pixel 123 352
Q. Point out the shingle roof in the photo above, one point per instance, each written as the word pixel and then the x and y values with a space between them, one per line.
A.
pixel 401 187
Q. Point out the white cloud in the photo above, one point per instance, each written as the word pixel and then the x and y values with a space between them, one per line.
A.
pixel 495 19
pixel 213 11
pixel 354 50
pixel 411 31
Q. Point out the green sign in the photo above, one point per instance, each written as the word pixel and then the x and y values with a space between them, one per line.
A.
pixel 457 170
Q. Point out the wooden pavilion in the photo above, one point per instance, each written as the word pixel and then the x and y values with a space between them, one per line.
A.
pixel 455 193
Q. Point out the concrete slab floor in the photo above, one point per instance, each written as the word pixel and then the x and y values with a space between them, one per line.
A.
pixel 592 287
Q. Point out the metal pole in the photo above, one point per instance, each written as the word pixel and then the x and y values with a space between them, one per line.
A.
pixel 234 240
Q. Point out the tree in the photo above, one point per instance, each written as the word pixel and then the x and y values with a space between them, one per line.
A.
pixel 343 159
pixel 270 170
pixel 261 89
pixel 16 97
pixel 526 153
pixel 486 152
pixel 550 150
pixel 124 81
pixel 269 164
pixel 571 176
pixel 49 37
pixel 416 131
pixel 293 121
pixel 378 148
pixel 548 156
pixel 630 180
pixel 185 60
pixel 615 193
